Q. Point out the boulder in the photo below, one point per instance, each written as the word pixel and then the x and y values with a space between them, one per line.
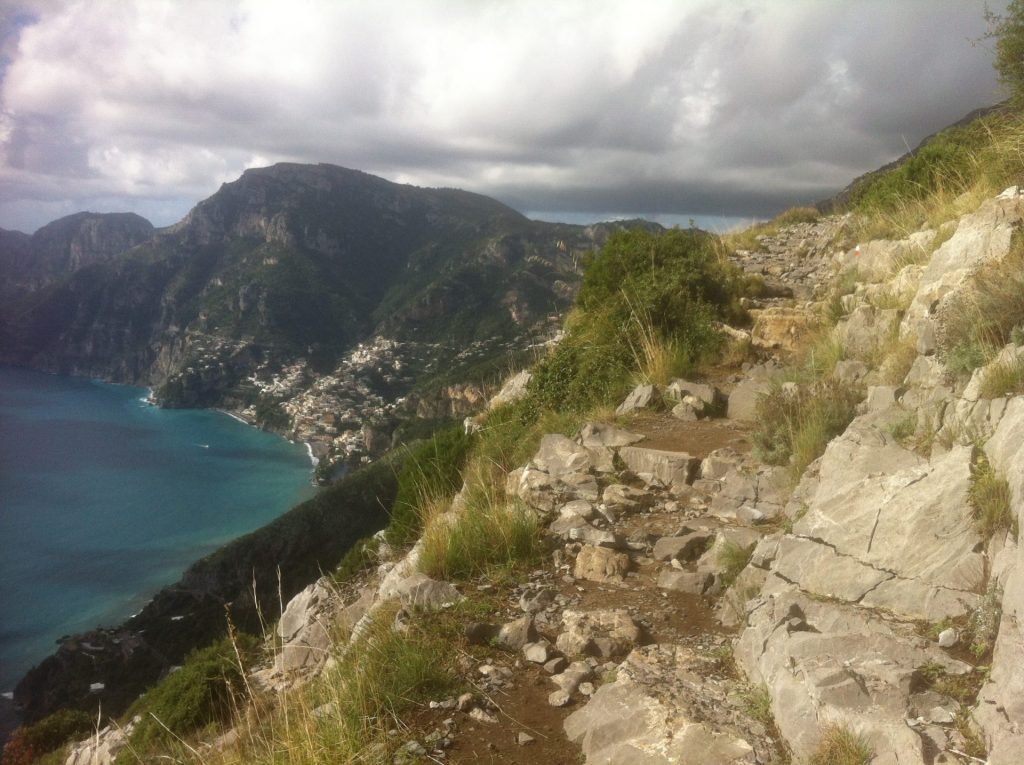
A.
pixel 685 548
pixel 664 708
pixel 641 397
pixel 517 633
pixel 608 632
pixel 512 390
pixel 679 389
pixel 781 328
pixel 692 582
pixel 558 455
pixel 672 468
pixel 744 397
pixel 420 592
pixel 600 564
pixel 596 434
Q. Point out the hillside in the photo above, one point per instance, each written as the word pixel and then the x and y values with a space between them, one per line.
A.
pixel 712 524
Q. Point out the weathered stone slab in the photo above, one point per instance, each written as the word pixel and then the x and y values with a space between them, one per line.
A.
pixel 673 468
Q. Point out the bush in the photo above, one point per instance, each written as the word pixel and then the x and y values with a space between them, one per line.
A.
pixel 990 499
pixel 641 291
pixel 1008 29
pixel 490 532
pixel 29 742
pixel 200 692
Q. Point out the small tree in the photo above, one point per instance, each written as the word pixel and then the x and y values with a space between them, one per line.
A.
pixel 1008 30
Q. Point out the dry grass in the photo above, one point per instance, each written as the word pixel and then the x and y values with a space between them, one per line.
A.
pixel 491 534
pixel 1003 378
pixel 840 746
pixel 990 499
pixel 986 315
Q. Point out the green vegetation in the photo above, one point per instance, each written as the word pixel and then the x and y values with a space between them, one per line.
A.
pixel 28 743
pixel 841 746
pixel 1004 377
pixel 491 534
pixel 647 305
pixel 1008 30
pixel 990 499
pixel 795 425
pixel 733 558
pixel 758 704
pixel 203 690
pixel 432 471
pixel 986 316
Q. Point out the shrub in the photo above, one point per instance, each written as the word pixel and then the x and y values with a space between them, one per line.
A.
pixel 1003 377
pixel 797 215
pixel 840 746
pixel 733 558
pixel 200 692
pixel 29 742
pixel 646 301
pixel 1008 29
pixel 432 470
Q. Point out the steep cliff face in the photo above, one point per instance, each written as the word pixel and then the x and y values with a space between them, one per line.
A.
pixel 288 261
pixel 66 245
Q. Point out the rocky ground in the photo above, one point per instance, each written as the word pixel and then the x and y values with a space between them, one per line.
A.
pixel 697 607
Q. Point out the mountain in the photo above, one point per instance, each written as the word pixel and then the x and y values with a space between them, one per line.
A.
pixel 64 246
pixel 287 262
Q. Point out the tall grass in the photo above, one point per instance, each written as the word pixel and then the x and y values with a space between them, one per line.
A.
pixel 1003 377
pixel 490 533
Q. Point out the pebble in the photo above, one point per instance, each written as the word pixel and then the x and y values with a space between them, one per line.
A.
pixel 558 698
pixel 524 738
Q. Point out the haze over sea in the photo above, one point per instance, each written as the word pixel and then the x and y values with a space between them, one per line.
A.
pixel 105 499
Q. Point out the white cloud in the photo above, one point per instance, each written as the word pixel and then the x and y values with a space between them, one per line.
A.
pixel 163 100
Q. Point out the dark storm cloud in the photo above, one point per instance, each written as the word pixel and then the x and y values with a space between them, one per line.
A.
pixel 665 107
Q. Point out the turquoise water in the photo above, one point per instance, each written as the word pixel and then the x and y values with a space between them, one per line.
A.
pixel 104 499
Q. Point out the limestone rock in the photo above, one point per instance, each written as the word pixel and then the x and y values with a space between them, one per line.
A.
pixel 672 468
pixel 100 749
pixel 695 583
pixel 684 548
pixel 608 632
pixel 420 592
pixel 679 389
pixel 517 633
pixel 597 434
pixel 512 390
pixel 641 397
pixel 780 328
pixel 558 454
pixel 599 564
pixel 657 713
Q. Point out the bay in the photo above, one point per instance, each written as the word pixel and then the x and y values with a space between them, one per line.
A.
pixel 105 499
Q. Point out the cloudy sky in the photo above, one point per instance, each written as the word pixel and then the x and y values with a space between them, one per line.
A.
pixel 565 110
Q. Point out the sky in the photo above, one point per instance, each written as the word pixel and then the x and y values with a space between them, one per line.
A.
pixel 672 110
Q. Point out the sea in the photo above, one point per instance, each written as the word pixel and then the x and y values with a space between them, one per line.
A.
pixel 104 499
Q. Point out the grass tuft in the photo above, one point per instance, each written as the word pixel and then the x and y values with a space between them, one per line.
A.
pixel 733 558
pixel 989 496
pixel 492 532
pixel 1003 378
pixel 795 426
pixel 841 746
